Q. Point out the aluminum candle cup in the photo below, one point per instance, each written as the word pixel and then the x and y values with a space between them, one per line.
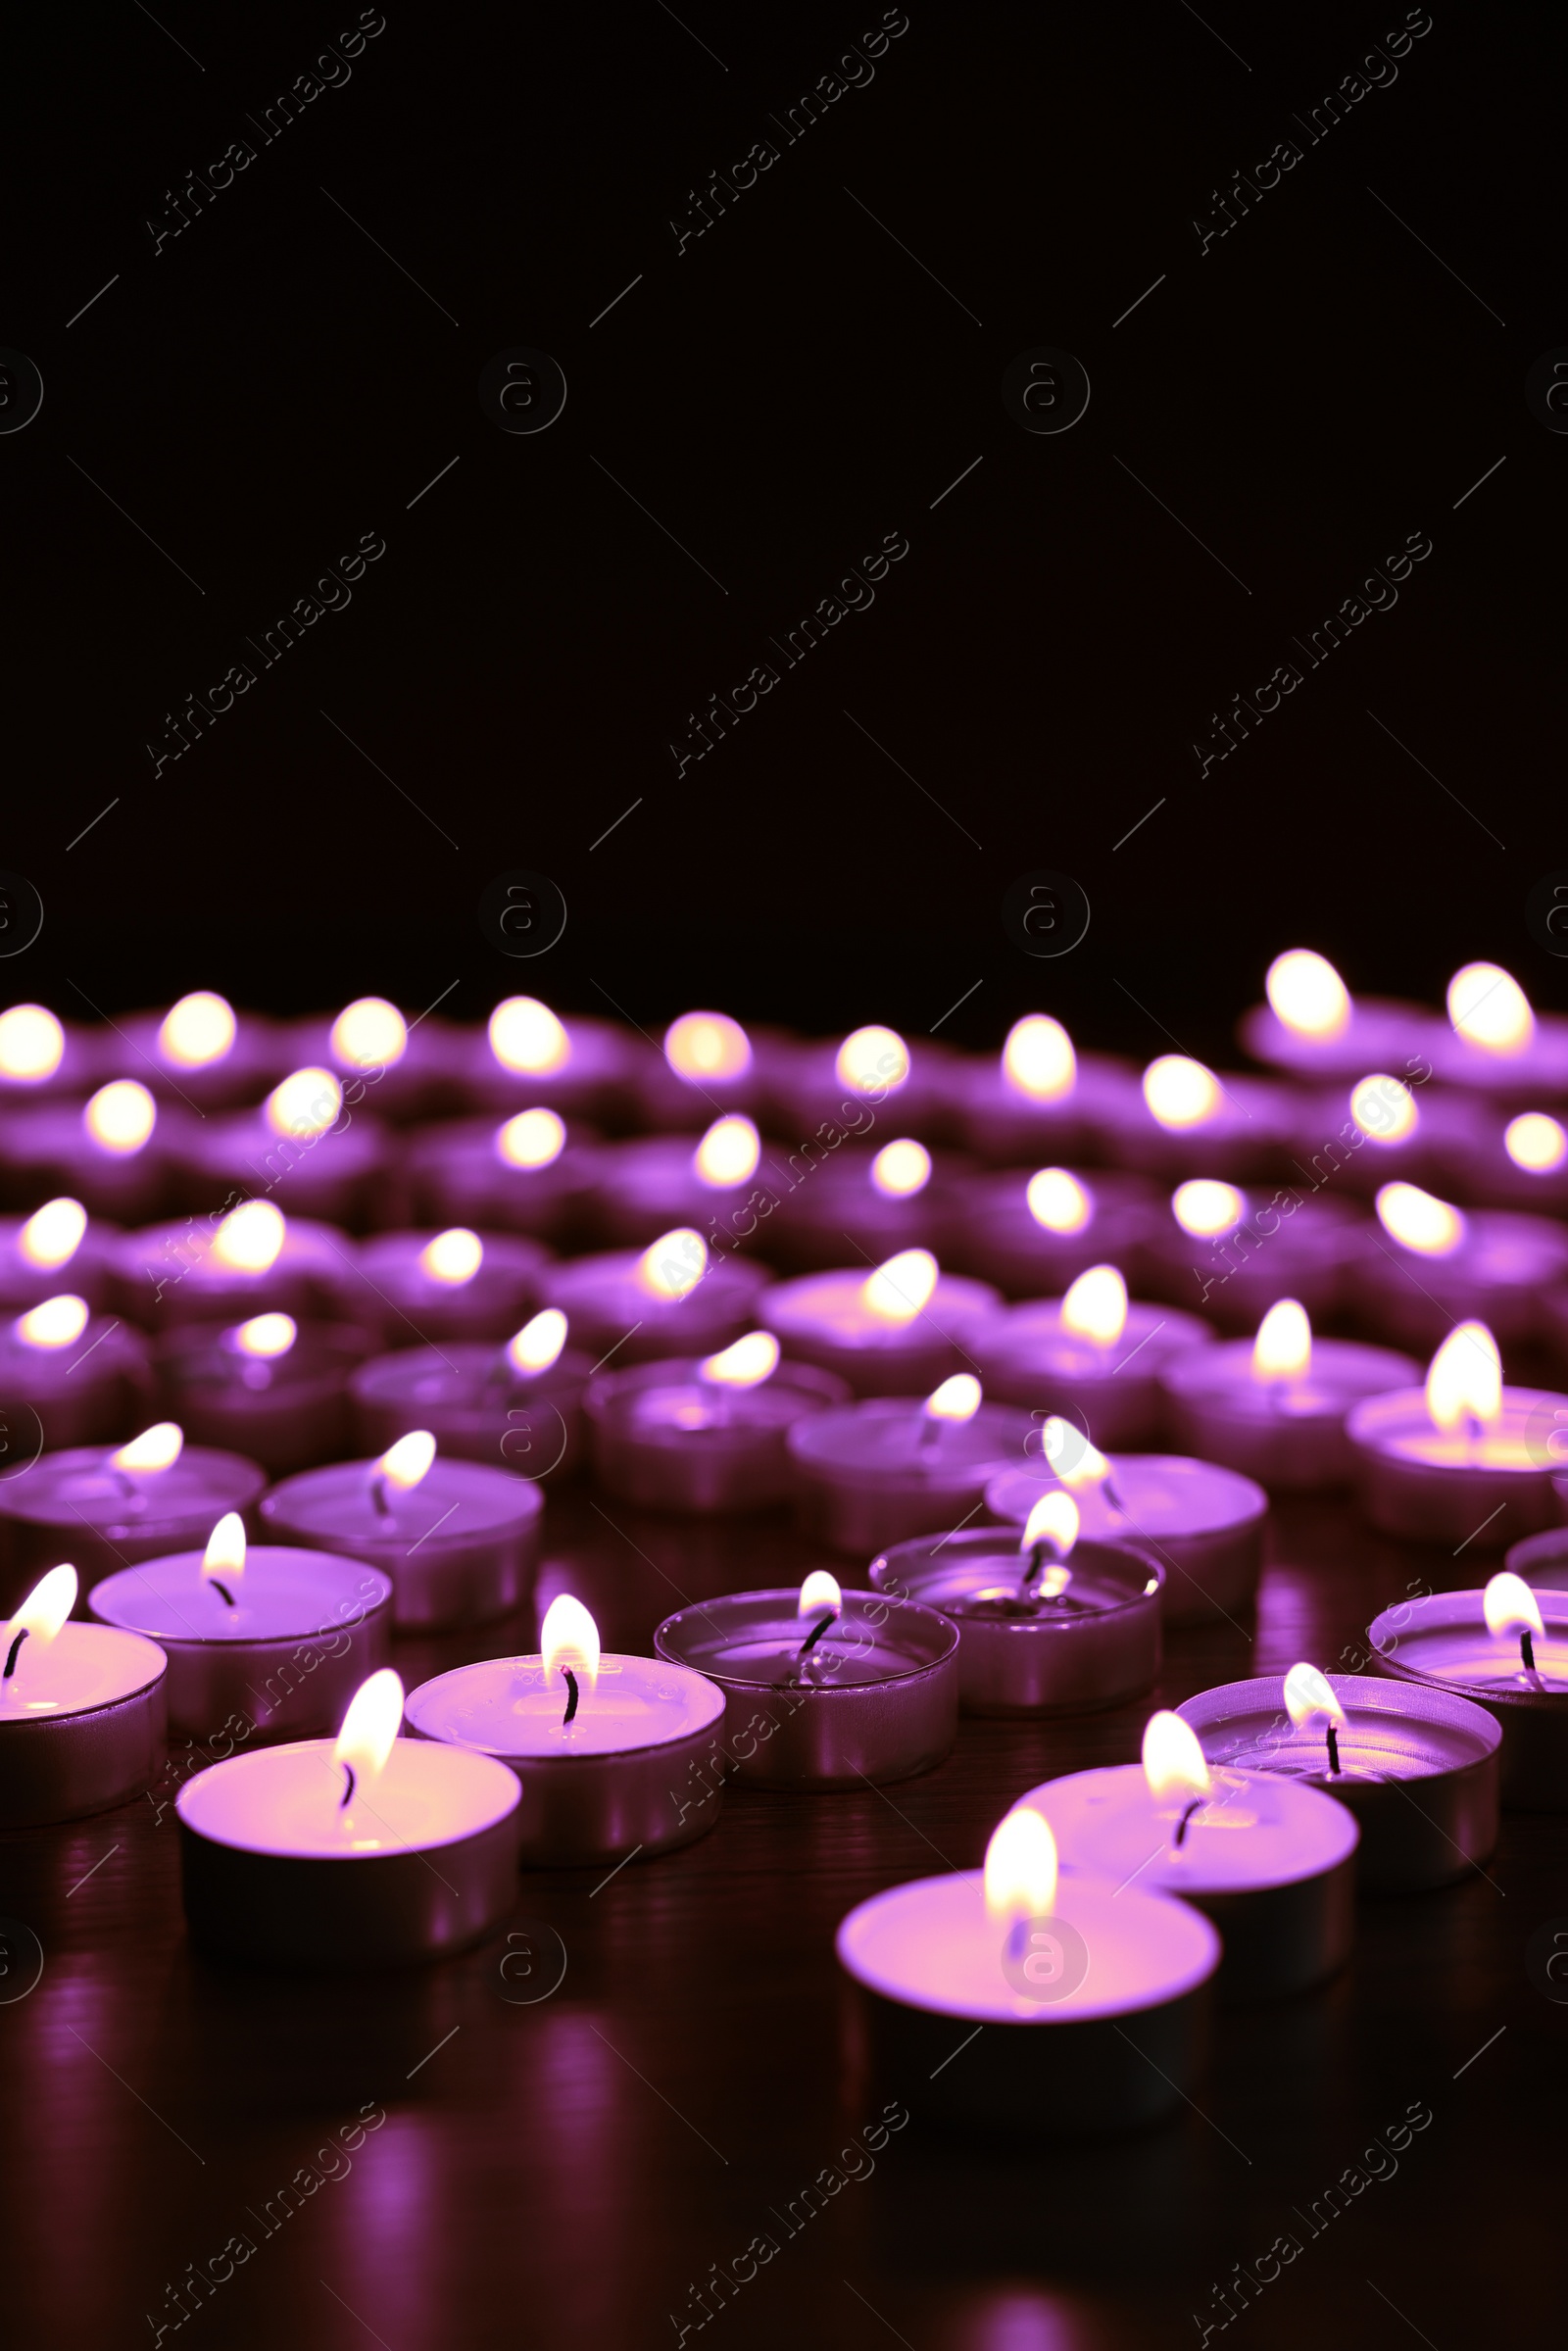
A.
pixel 1269 1862
pixel 287 1410
pixel 611 1309
pixel 81 1725
pixel 459 1546
pixel 1029 1356
pixel 1236 1127
pixel 78 1505
pixel 875 1472
pixel 281 1659
pixel 1288 1433
pixel 276 1873
pixel 876 1699
pixel 1494 1273
pixel 228 1269
pixel 477 1406
pixel 56 1249
pixel 1034 1232
pixel 1518 1163
pixel 52 1148
pixel 525 1174
pixel 1441 1641
pixel 1096 1644
pixel 825 1318
pixel 1240 1251
pixel 636 1771
pixel 1109 2032
pixel 1418 1768
pixel 457 1285
pixel 667 1439
pixel 81 1377
pixel 1436 1485
pixel 1203 1524
pixel 864 1202
pixel 525 1057
pixel 1313 1027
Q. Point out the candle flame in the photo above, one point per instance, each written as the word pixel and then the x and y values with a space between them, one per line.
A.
pixel 58 1322
pixel 1174 1763
pixel 1510 1606
pixel 371 1728
pixel 672 1266
pixel 197 1031
pixel 533 1139
pixel 120 1117
pixel 453 1258
pixel 707 1045
pixel 1075 1461
pixel 1020 1874
pixel 305 1105
pixel 263 1337
pixel 1464 1380
pixel 1488 1008
pixel 1418 1220
pixel 1038 1058
pixel 1283 1347
pixel 1307 995
pixel 225 1556
pixel 44 1610
pixel 32 1043
pixel 957 1398
pixel 1180 1091
pixel 1536 1143
pixel 526 1036
pixel 902 1288
pixel 870 1057
pixel 539 1342
pixel 1058 1202
pixel 820 1592
pixel 744 1364
pixel 1309 1698
pixel 1095 1305
pixel 728 1152
pixel 1383 1109
pixel 569 1636
pixel 1053 1520
pixel 900 1169
pixel 250 1237
pixel 52 1234
pixel 1205 1208
pixel 158 1448
pixel 404 1463
pixel 369 1034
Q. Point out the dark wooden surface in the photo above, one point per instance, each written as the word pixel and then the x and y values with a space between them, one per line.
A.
pixel 562 2172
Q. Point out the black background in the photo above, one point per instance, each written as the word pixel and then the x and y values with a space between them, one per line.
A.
pixel 781 394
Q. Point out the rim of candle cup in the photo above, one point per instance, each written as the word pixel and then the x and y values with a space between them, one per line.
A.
pixel 536 1760
pixel 1541 1560
pixel 200 1794
pixel 1250 1500
pixel 1438 1612
pixel 1371 1422
pixel 1097 1552
pixel 257 1556
pixel 778 1605
pixel 517 1500
pixel 137 1648
pixel 1210 1372
pixel 1357 1694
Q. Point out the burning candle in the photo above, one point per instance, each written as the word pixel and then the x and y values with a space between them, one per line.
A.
pixel 1506 1648
pixel 1032 1235
pixel 57 1244
pixel 1463 1460
pixel 878 1471
pixel 528 1174
pixel 1186 1121
pixel 1445 1266
pixel 1046 1625
pixel 1269 1859
pixel 814 1086
pixel 824 1688
pixel 366 1850
pixel 527 1054
pixel 270 1388
pixel 253 1260
pixel 397 1069
pixel 82 1710
pixel 870 1203
pixel 1311 1026
pixel 39 1056
pixel 457 1538
pixel 1234 1253
pixel 1417 1767
pixel 110 1505
pixel 519 1405
pixel 1495 1044
pixel 1203 1524
pixel 324 1158
pixel 1094 1995
pixel 674 1298
pixel 1091 1355
pixel 708 1435
pixel 68 1376
pixel 428 1287
pixel 107 1152
pixel 1037 1097
pixel 1521 1162
pixel 707 1066
pixel 1275 1406
pixel 617 1755
pixel 642 1189
pixel 199 1052
pixel 1380 1131
pixel 263 1643
pixel 896 1331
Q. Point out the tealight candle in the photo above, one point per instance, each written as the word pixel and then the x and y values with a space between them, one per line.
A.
pixel 1521 1162
pixel 896 1331
pixel 876 1471
pixel 270 1388
pixel 1463 1460
pixel 56 1246
pixel 672 1299
pixel 642 1189
pixel 1049 1626
pixel 370 1850
pixel 428 1287
pixel 1095 1997
pixel 1090 1355
pixel 456 1539
pixel 39 1056
pixel 824 1689
pixel 1202 1523
pixel 616 1754
pixel 863 1203
pixel 199 1051
pixel 811 1085
pixel 519 1406
pixel 1038 1098
pixel 1311 1025
pixel 1033 1234
pixel 113 1505
pixel 707 1436
pixel 1495 1044
pixel 68 1376
pixel 1379 1131
pixel 527 1174
pixel 1275 1406
pixel 1233 1253
pixel 110 1152
pixel 1186 1121
pixel 708 1065
pixel 526 1054
pixel 322 1158
pixel 1417 1767
pixel 398 1070
pixel 1506 1648
pixel 253 1260
pixel 272 1640
pixel 1271 1861
pixel 82 1710
pixel 1445 1266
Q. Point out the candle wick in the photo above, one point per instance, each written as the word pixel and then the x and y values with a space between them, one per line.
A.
pixel 1197 1805
pixel 127 1486
pixel 11 1660
pixel 572 1696
pixel 1527 1651
pixel 815 1633
pixel 1332 1739
pixel 1037 1559
pixel 1107 1489
pixel 347 1797
pixel 222 1589
pixel 930 1436
pixel 383 1508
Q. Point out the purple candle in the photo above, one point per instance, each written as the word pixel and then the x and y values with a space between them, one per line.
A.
pixel 199 1052
pixel 527 1174
pixel 896 1330
pixel 107 1505
pixel 105 1151
pixel 1380 1129
pixel 67 1376
pixel 1037 1099
pixel 1433 1265
pixel 1495 1045
pixel 1185 1122
pixel 398 1071
pixel 879 1471
pixel 1312 1028
pixel 672 1299
pixel 1463 1460
pixel 305 1145
pixel 56 1246
pixel 1090 1355
pixel 873 1065
pixel 642 1189
pixel 1034 1234
pixel 709 1065
pixel 271 1389
pixel 253 1260
pixel 453 1285
pixel 705 1436
pixel 1233 1253
pixel 1519 1162
pixel 1506 1648
pixel 517 1406
pixel 528 1055
pixel 870 1203
pixel 82 1710
pixel 1274 1407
